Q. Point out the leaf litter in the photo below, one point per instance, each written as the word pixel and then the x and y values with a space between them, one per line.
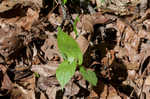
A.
pixel 113 35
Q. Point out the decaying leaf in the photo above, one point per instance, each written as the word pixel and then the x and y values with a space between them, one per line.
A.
pixel 5 82
pixel 6 5
pixel 45 70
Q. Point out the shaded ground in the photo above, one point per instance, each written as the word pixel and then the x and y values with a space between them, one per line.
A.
pixel 114 37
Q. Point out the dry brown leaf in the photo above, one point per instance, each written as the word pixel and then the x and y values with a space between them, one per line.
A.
pixel 28 82
pixel 83 43
pixel 147 24
pixel 113 93
pixel 109 92
pixel 104 94
pixel 143 6
pixel 129 34
pixel 147 81
pixel 30 18
pixel 87 23
pixel 50 48
pixel 98 18
pixel 42 95
pixel 132 74
pixel 18 92
pixel 6 83
pixel 146 87
pixel 118 7
pixel 120 26
pixel 26 21
pixel 45 70
pixel 7 33
pixel 6 5
pixel 54 19
pixel 85 27
pixel 25 89
pixel 143 34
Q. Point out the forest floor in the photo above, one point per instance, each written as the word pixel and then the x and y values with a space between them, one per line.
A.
pixel 113 35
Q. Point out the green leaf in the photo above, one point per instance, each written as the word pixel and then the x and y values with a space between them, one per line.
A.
pixel 89 75
pixel 36 74
pixel 69 47
pixel 102 1
pixel 64 2
pixel 74 26
pixel 64 72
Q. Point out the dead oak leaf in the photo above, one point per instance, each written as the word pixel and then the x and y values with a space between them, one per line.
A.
pixel 6 83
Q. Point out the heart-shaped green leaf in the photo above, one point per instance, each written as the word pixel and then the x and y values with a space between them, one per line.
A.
pixel 69 47
pixel 64 72
pixel 89 75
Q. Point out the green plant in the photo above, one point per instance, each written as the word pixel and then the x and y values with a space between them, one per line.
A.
pixel 36 75
pixel 73 57
pixel 74 26
pixel 102 1
pixel 64 2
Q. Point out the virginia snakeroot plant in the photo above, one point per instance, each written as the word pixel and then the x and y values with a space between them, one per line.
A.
pixel 73 58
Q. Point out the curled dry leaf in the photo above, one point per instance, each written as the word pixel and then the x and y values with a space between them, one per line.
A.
pixel 18 92
pixel 24 21
pixel 50 47
pixel 8 38
pixel 51 86
pixel 6 5
pixel 131 42
pixel 129 34
pixel 54 19
pixel 147 24
pixel 45 70
pixel 30 18
pixel 146 87
pixel 118 7
pixel 132 74
pixel 120 26
pixel 42 96
pixel 143 34
pixel 143 6
pixel 113 93
pixel 98 18
pixel 147 81
pixel 109 92
pixel 83 43
pixel 88 21
pixel 5 82
pixel 25 89
pixel 76 90
pixel 85 27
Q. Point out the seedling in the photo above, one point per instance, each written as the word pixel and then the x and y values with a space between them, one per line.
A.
pixel 73 57
pixel 36 75
pixel 64 2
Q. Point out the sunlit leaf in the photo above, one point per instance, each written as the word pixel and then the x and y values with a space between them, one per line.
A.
pixel 64 72
pixel 74 26
pixel 64 1
pixel 69 47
